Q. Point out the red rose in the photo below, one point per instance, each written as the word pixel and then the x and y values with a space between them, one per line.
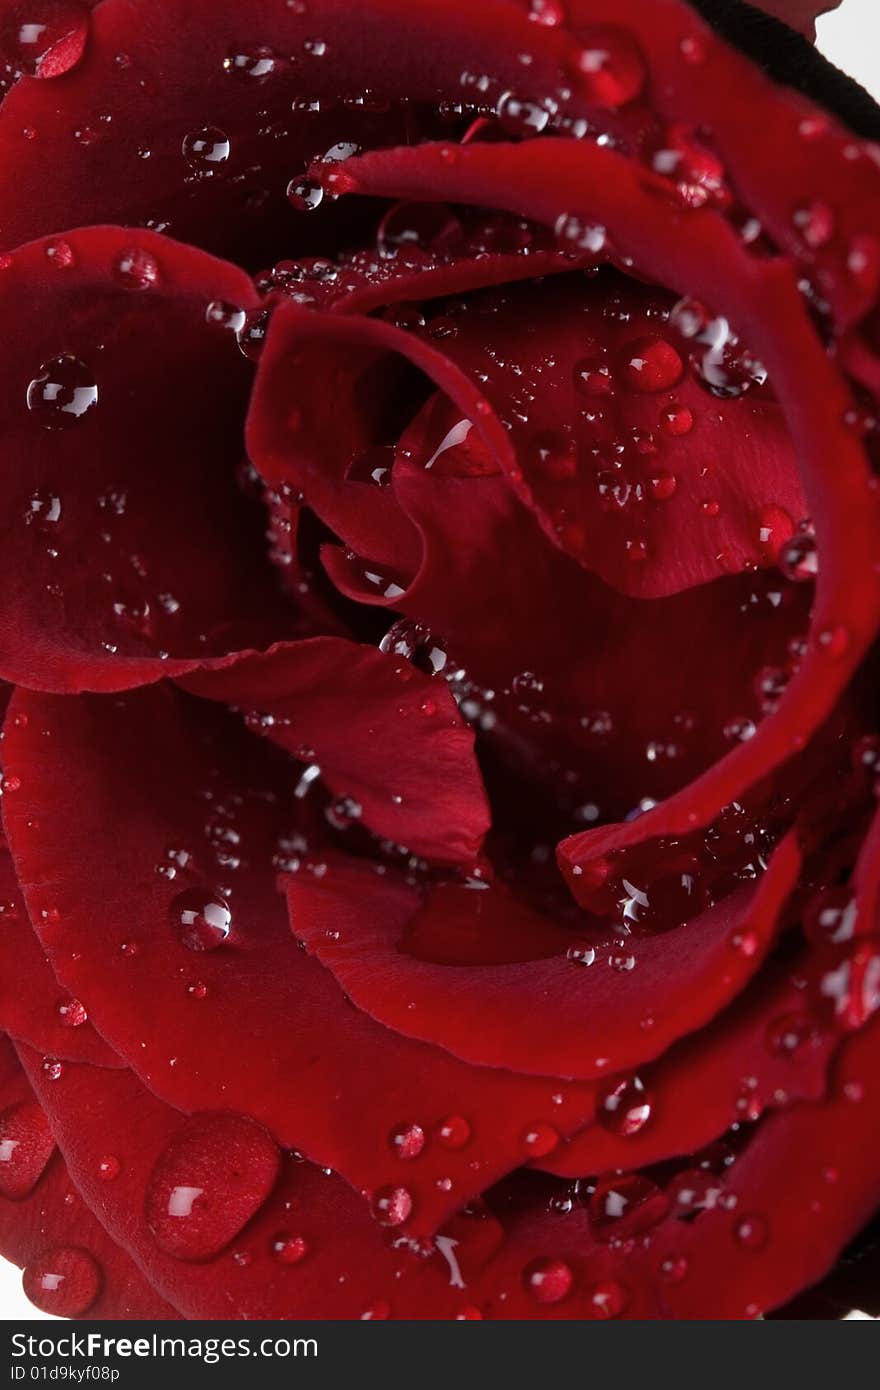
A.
pixel 518 962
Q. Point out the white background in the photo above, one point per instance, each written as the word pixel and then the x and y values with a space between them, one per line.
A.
pixel 849 37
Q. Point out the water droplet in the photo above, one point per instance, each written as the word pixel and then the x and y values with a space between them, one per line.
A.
pixel 815 223
pixel 608 1300
pixel 71 1013
pixel 453 1132
pixel 136 269
pixel 540 1139
pixel 305 194
pixel 793 1035
pixel 252 334
pixel 553 455
pixel 407 1141
pixel 611 68
pixel 288 1249
pixel 212 1177
pixel 26 1145
pixel 228 316
pixel 63 392
pixel 798 558
pixel 409 227
pixel 109 1168
pixel 392 1206
pixel 830 918
pixel 251 65
pixel 674 1269
pixel 833 640
pixel 548 12
pixel 624 1106
pixel 651 364
pixel 52 1069
pixel 206 150
pixel 574 234
pixel 520 117
pixel 751 1232
pixel 201 920
pixel 581 953
pixel 677 420
pixel 64 1281
pixel 626 1205
pixel 60 255
pixel 663 486
pixel 548 1280
pixel 417 644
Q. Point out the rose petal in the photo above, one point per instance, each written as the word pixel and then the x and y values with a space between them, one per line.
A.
pixel 534 1015
pixel 49 1230
pixel 130 552
pixel 384 736
pixel 121 931
pixel 813 1166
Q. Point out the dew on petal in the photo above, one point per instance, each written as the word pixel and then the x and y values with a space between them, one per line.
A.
pixel 548 1280
pixel 288 1249
pixel 407 1141
pixel 201 920
pixel 135 269
pixel 26 1145
pixel 64 1281
pixel 624 1106
pixel 212 1177
pixel 62 393
pixel 392 1206
pixel 206 150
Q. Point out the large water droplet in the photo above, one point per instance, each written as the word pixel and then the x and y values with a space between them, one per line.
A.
pixel 64 1281
pixel 799 559
pixel 252 65
pixel 288 1249
pixel 200 919
pixel 206 150
pixel 611 67
pixel 407 1141
pixel 624 1106
pixel 305 194
pixel 625 1206
pixel 608 1300
pixel 63 392
pixel 213 1176
pixel 26 1145
pixel 392 1206
pixel 651 364
pixel 135 269
pixel 453 1132
pixel 548 1280
pixel 417 644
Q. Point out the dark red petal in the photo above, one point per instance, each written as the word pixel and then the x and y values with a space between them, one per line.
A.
pixel 804 1185
pixel 212 803
pixel 543 614
pixel 49 1230
pixel 383 734
pixel 766 1050
pixel 130 552
pixel 652 484
pixel 34 1008
pixel 581 1022
pixel 815 401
